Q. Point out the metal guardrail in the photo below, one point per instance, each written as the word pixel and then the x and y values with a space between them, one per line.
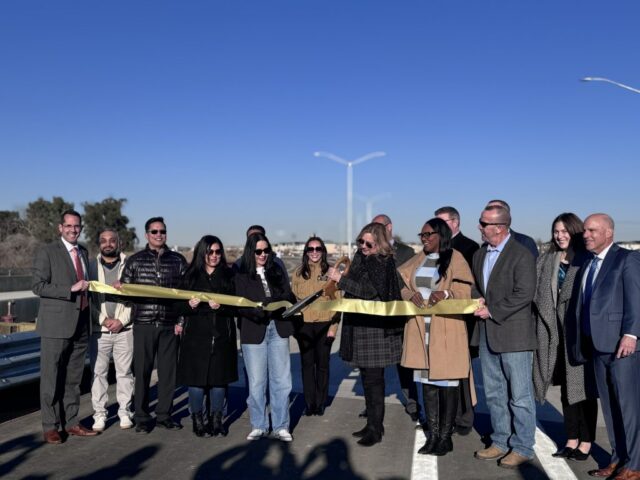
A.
pixel 19 358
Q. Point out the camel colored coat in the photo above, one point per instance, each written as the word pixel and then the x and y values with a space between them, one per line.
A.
pixel 448 355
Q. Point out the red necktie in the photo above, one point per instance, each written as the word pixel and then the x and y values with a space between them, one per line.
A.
pixel 79 276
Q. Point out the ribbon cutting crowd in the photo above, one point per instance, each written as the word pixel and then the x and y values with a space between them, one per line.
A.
pixel 569 317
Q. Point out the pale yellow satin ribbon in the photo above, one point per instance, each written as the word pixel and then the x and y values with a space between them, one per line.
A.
pixel 348 305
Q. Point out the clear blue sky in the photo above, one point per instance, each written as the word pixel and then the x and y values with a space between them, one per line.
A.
pixel 208 112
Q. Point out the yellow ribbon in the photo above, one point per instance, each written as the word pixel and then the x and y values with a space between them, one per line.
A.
pixel 347 305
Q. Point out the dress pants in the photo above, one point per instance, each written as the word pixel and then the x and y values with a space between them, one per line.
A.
pixel 151 341
pixel 61 367
pixel 120 346
pixel 315 350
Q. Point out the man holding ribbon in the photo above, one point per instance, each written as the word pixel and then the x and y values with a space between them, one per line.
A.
pixel 155 325
pixel 607 322
pixel 60 280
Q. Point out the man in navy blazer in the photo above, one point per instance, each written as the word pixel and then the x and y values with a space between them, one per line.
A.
pixel 607 325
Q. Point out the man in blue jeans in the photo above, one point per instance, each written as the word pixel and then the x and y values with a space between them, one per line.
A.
pixel 505 275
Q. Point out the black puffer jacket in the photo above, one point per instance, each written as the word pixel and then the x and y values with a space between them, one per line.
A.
pixel 147 267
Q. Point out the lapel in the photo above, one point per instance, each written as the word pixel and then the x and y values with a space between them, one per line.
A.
pixel 607 263
pixel 502 258
pixel 71 269
pixel 409 267
pixel 480 269
pixel 555 267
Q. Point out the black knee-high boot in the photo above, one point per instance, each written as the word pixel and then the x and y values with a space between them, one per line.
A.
pixel 448 398
pixel 432 413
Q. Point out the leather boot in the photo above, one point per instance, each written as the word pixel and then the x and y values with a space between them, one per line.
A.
pixel 448 398
pixel 217 427
pixel 375 415
pixel 198 424
pixel 432 413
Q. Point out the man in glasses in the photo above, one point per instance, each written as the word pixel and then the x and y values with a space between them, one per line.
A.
pixel 466 246
pixel 505 283
pixel 60 280
pixel 405 375
pixel 155 325
pixel 112 334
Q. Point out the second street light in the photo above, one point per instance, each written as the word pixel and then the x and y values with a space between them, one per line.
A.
pixel 606 80
pixel 350 165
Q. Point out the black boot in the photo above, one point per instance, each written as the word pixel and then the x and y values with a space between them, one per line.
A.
pixel 375 413
pixel 448 398
pixel 432 413
pixel 198 424
pixel 217 427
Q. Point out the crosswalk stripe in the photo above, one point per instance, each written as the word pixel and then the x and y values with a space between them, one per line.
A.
pixel 555 468
pixel 423 467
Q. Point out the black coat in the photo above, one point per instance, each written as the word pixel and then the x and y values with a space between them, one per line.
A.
pixel 253 321
pixel 208 350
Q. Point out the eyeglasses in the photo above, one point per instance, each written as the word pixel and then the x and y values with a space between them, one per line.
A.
pixel 260 251
pixel 426 234
pixel 315 249
pixel 217 251
pixel 72 227
pixel 486 224
pixel 156 232
pixel 368 244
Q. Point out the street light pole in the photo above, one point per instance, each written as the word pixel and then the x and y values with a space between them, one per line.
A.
pixel 350 165
pixel 606 80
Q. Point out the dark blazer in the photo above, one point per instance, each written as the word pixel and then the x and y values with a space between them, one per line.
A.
pixel 465 246
pixel 526 241
pixel 615 302
pixel 253 321
pixel 403 252
pixel 53 276
pixel 510 290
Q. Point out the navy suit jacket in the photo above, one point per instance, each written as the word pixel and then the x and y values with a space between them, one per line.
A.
pixel 615 302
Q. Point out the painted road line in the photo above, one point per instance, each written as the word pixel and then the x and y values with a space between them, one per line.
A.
pixel 423 467
pixel 555 468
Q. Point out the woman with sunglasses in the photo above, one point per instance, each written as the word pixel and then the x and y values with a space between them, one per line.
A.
pixel 436 346
pixel 371 342
pixel 264 338
pixel 557 269
pixel 318 330
pixel 208 360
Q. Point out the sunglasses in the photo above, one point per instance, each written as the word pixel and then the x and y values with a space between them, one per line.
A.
pixel 260 251
pixel 426 234
pixel 155 232
pixel 362 242
pixel 315 249
pixel 486 224
pixel 217 251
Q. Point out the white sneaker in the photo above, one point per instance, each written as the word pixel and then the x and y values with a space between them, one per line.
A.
pixel 125 423
pixel 283 435
pixel 256 434
pixel 99 423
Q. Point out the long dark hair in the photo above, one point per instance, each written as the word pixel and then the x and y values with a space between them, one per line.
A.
pixel 575 227
pixel 304 270
pixel 445 251
pixel 272 271
pixel 197 264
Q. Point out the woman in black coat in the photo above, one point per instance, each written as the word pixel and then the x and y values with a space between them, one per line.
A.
pixel 371 342
pixel 208 360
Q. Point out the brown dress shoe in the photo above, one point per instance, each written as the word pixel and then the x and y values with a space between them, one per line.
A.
pixel 604 472
pixel 627 474
pixel 52 436
pixel 81 431
pixel 490 453
pixel 513 460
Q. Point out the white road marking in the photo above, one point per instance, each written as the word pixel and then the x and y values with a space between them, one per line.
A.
pixel 555 468
pixel 423 467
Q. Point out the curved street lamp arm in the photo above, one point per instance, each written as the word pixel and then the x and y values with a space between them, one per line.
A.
pixel 368 156
pixel 331 156
pixel 606 80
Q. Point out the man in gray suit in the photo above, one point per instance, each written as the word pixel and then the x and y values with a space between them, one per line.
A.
pixel 505 275
pixel 60 279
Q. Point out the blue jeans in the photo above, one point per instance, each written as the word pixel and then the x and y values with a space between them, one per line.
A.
pixel 216 399
pixel 268 363
pixel 508 389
